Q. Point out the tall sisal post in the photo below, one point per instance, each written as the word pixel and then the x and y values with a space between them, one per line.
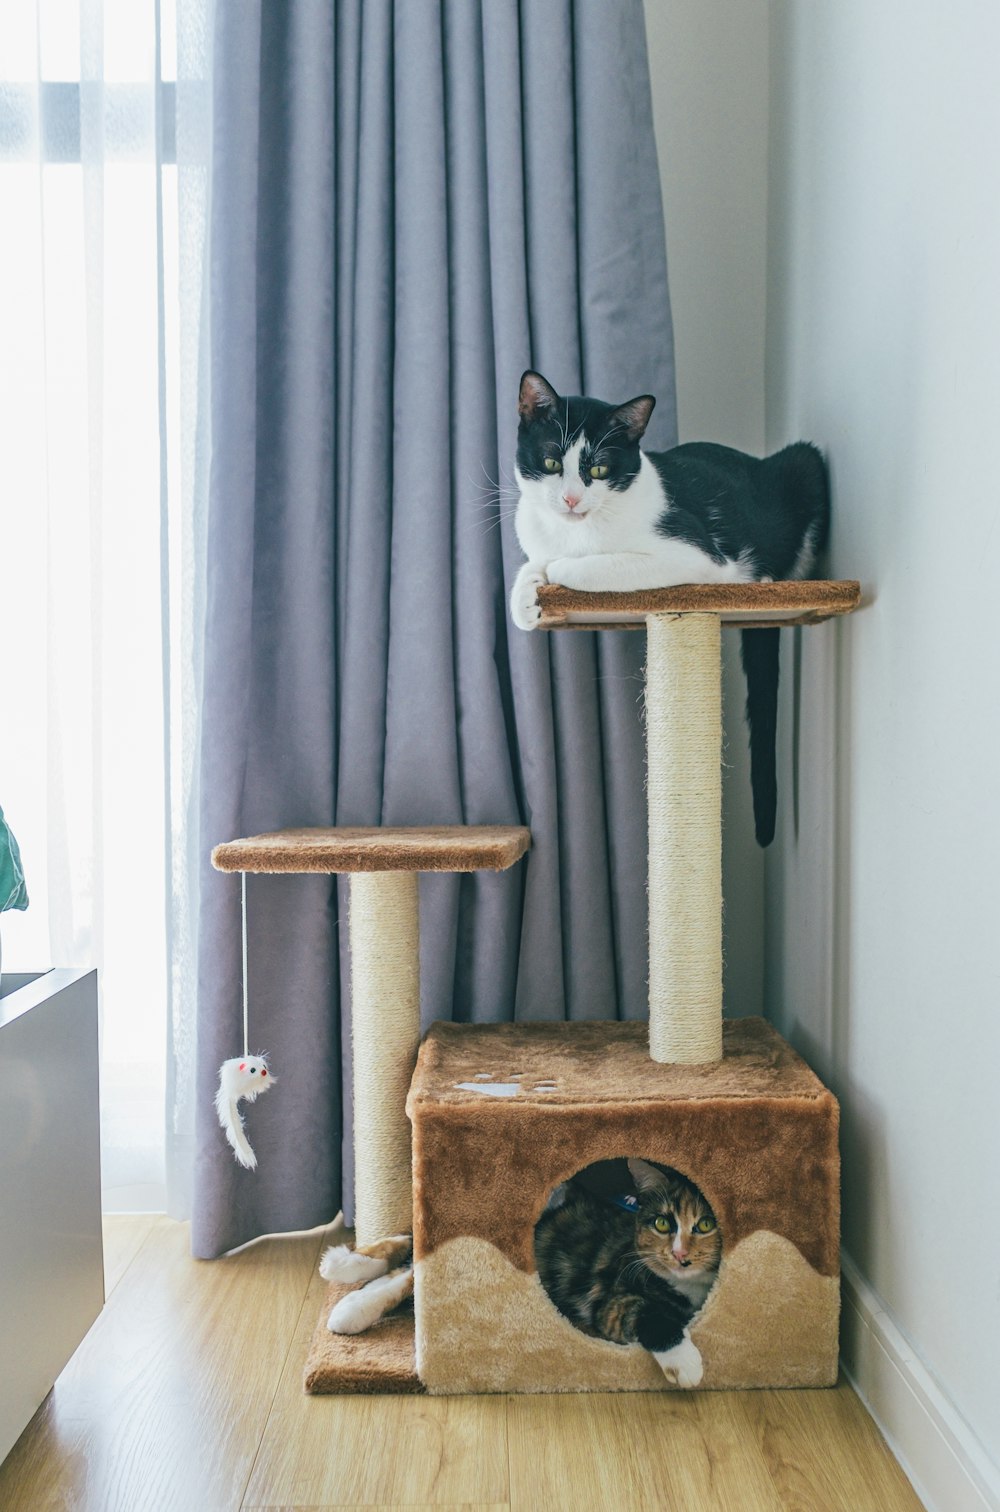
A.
pixel 385 991
pixel 684 754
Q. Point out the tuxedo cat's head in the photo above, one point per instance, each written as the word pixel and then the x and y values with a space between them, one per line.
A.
pixel 575 455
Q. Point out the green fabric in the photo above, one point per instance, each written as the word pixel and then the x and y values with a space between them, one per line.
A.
pixel 13 893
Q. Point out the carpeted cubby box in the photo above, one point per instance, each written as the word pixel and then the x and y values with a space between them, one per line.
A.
pixel 757 1132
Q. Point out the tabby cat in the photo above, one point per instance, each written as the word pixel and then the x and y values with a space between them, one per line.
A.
pixel 636 1275
pixel 595 511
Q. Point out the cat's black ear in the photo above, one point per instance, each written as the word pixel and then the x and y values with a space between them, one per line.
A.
pixel 645 1176
pixel 634 415
pixel 537 398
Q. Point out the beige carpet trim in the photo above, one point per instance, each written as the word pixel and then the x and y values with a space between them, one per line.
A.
pixel 485 1326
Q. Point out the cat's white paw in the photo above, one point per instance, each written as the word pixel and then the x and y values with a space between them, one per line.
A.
pixel 363 1308
pixel 561 571
pixel 682 1364
pixel 341 1263
pixel 354 1313
pixel 575 572
pixel 524 610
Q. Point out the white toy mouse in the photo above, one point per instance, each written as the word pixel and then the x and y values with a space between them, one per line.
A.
pixel 245 1076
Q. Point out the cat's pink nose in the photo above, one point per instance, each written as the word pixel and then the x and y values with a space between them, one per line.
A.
pixel 571 500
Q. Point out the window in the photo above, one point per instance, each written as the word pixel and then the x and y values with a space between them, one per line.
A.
pixel 95 279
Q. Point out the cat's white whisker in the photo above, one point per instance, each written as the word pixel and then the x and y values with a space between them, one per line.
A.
pixel 485 527
pixel 491 503
pixel 494 506
pixel 493 486
pixel 613 430
pixel 486 488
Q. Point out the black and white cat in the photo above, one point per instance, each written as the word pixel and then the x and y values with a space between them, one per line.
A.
pixel 597 512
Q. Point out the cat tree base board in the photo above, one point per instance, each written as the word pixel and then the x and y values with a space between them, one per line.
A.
pixel 502 1113
pixel 382 1361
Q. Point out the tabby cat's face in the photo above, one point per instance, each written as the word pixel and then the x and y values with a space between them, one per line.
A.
pixel 677 1235
pixel 575 456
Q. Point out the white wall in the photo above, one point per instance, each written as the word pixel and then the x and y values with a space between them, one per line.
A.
pixel 709 64
pixel 882 899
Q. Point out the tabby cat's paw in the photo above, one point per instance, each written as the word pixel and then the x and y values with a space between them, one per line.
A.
pixel 354 1313
pixel 363 1308
pixel 524 610
pixel 682 1364
pixel 341 1263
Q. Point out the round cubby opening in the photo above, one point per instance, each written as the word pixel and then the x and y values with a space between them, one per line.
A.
pixel 624 1243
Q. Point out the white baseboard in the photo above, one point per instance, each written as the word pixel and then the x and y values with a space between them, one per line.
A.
pixel 945 1462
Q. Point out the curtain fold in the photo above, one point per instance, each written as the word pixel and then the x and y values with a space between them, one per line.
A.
pixel 412 203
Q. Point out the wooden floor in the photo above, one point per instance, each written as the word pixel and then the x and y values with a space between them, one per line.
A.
pixel 187 1394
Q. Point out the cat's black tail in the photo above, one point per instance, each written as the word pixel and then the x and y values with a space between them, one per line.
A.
pixel 760 663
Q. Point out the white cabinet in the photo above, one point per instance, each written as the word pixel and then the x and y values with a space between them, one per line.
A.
pixel 51 1254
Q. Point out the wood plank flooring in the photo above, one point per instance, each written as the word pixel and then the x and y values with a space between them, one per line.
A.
pixel 186 1394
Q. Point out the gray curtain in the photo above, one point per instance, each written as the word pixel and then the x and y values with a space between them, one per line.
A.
pixel 412 203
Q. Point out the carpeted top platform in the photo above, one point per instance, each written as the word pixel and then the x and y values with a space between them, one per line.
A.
pixel 434 848
pixel 737 604
pixel 600 1062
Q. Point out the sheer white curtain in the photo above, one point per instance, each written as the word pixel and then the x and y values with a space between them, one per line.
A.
pixel 104 154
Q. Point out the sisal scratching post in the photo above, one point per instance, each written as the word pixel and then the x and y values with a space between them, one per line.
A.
pixel 385 988
pixel 684 748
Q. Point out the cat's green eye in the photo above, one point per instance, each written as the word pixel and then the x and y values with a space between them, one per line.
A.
pixel 663 1224
pixel 704 1225
pixel 600 471
pixel 553 465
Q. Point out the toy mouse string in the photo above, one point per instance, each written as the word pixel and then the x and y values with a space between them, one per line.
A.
pixel 246 1076
pixel 246 1008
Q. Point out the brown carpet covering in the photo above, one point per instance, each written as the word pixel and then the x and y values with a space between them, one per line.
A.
pixel 801 603
pixel 438 848
pixel 757 1132
pixel 381 1361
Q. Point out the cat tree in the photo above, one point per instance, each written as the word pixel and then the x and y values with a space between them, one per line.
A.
pixel 501 1113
